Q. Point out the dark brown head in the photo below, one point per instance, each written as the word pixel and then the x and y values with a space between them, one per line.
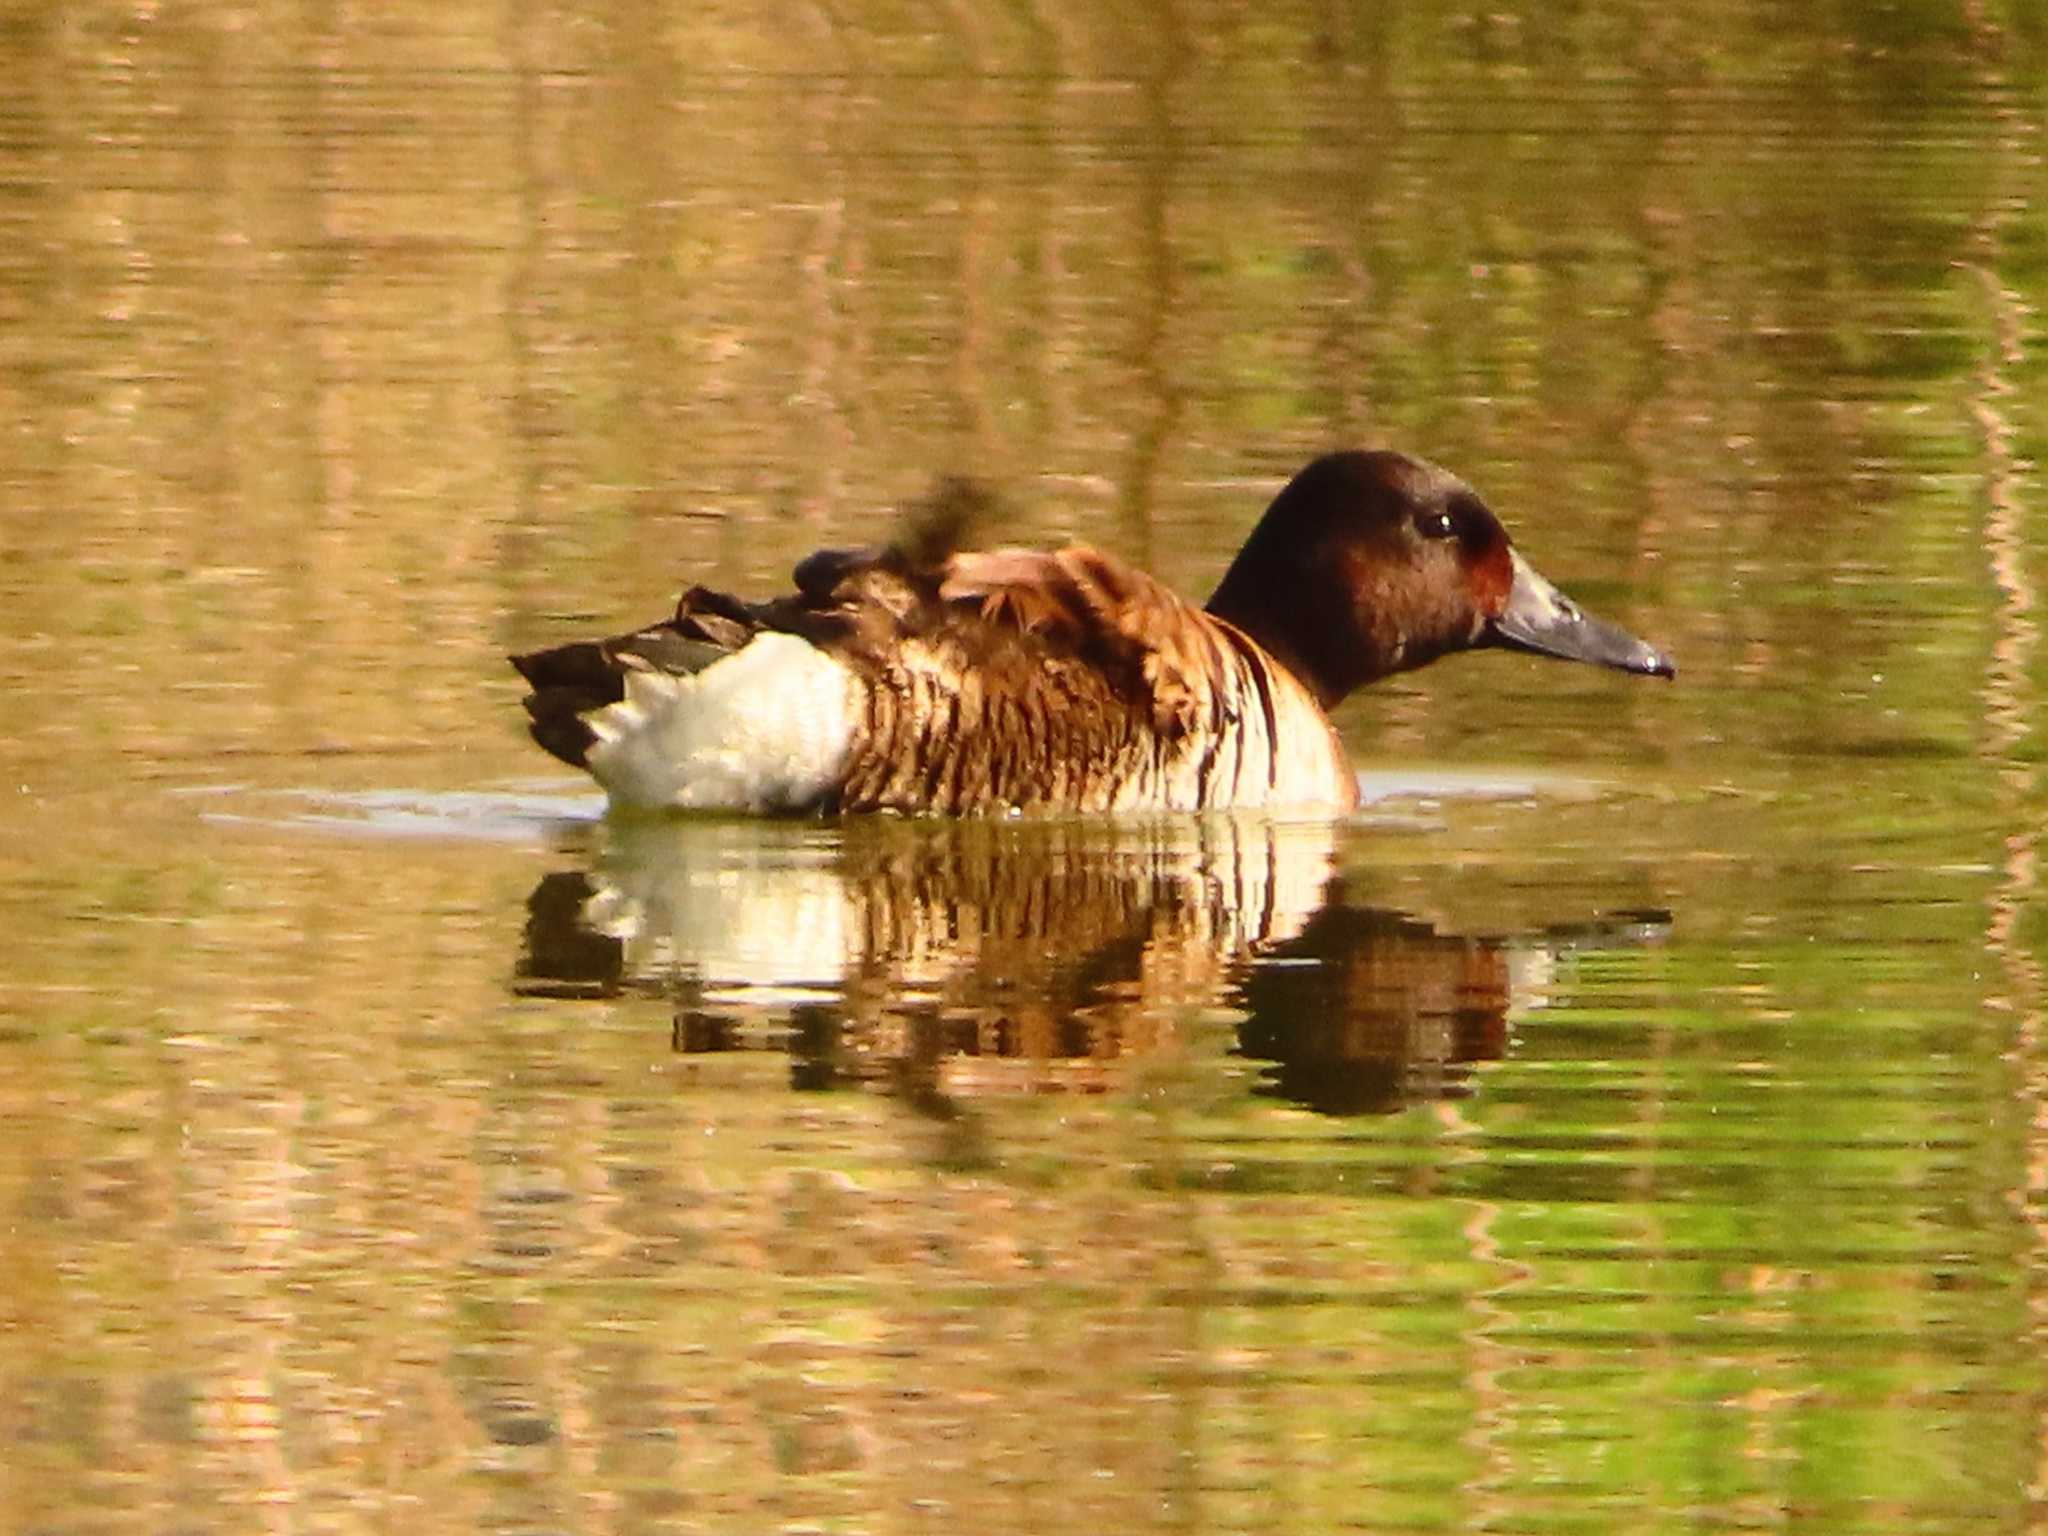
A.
pixel 1373 563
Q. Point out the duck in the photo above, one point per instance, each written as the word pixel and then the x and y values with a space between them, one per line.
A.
pixel 923 677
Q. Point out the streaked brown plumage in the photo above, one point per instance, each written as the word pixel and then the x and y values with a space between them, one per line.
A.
pixel 1012 678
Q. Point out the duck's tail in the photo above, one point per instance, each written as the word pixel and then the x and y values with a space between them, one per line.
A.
pixel 571 681
pixel 767 727
pixel 662 716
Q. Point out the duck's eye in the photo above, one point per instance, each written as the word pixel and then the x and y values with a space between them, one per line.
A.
pixel 1435 525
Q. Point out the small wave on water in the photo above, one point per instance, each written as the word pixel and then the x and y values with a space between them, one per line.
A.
pixel 523 811
pixel 528 810
pixel 1380 786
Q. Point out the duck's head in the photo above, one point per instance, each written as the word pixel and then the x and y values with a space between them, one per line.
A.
pixel 1374 563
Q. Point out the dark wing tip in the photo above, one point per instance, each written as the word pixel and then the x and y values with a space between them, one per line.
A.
pixel 580 664
pixel 556 723
pixel 819 573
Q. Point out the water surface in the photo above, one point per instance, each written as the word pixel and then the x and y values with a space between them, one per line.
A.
pixel 1633 1120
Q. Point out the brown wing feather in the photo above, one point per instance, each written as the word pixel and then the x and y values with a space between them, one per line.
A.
pixel 1100 608
pixel 1007 677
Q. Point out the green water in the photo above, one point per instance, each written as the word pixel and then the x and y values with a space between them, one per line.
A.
pixel 1636 1120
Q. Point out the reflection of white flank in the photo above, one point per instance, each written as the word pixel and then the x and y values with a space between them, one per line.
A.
pixel 765 729
pixel 755 918
pixel 772 913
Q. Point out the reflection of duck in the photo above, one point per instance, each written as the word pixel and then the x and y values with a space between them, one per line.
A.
pixel 925 678
pixel 1367 1009
pixel 977 957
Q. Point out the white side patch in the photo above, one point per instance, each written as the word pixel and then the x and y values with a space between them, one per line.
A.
pixel 765 729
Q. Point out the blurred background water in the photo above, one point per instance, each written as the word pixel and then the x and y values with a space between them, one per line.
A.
pixel 1634 1120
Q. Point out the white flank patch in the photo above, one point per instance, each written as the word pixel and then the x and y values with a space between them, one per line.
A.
pixel 765 729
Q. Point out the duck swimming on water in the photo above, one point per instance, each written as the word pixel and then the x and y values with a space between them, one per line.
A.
pixel 921 677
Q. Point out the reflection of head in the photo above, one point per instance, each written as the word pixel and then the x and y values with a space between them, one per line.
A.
pixel 1368 1010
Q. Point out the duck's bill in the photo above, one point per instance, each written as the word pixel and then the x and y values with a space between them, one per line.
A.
pixel 1540 619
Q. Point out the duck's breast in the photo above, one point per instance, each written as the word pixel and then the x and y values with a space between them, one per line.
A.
pixel 1263 741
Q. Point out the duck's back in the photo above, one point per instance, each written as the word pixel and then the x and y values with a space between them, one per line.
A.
pixel 976 682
